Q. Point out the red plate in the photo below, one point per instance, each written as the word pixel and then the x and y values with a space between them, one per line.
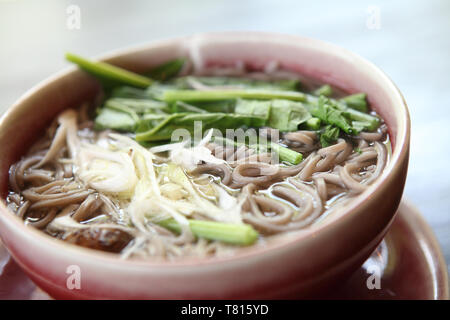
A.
pixel 408 264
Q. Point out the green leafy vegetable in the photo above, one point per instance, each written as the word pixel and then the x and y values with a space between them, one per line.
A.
pixel 225 106
pixel 155 127
pixel 356 101
pixel 329 135
pixel 137 105
pixel 284 115
pixel 324 90
pixel 287 115
pixel 153 110
pixel 112 104
pixel 329 113
pixel 238 234
pixel 256 108
pixel 358 120
pixel 313 124
pixel 114 119
pixel 285 154
pixel 214 95
pixel 108 71
pixel 129 92
pixel 181 106
pixel 241 83
pixel 362 120
pixel 167 70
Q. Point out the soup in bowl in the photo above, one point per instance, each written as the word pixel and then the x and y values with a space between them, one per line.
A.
pixel 196 170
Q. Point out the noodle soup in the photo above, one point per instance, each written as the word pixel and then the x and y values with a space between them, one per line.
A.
pixel 190 162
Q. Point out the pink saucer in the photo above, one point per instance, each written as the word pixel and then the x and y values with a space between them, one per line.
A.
pixel 408 263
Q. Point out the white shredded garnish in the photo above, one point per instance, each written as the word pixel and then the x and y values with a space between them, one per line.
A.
pixel 229 204
pixel 147 198
pixel 122 168
pixel 145 154
pixel 106 171
pixel 66 222
pixel 189 158
pixel 206 139
pixel 168 147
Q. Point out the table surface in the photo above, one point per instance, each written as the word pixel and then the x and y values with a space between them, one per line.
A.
pixel 409 40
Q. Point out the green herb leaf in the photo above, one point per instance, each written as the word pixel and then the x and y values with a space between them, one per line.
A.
pixel 356 101
pixel 313 124
pixel 167 70
pixel 287 115
pixel 237 234
pixel 217 94
pixel 139 106
pixel 256 108
pixel 241 83
pixel 129 92
pixel 108 71
pixel 285 154
pixel 324 90
pixel 362 120
pixel 155 127
pixel 115 119
pixel 181 106
pixel 329 113
pixel 329 135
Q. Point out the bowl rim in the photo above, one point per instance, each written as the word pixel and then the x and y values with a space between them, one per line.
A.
pixel 394 164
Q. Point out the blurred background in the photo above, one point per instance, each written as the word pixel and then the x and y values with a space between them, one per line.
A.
pixel 409 40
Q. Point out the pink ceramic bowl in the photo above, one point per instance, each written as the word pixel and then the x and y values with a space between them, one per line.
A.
pixel 314 259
